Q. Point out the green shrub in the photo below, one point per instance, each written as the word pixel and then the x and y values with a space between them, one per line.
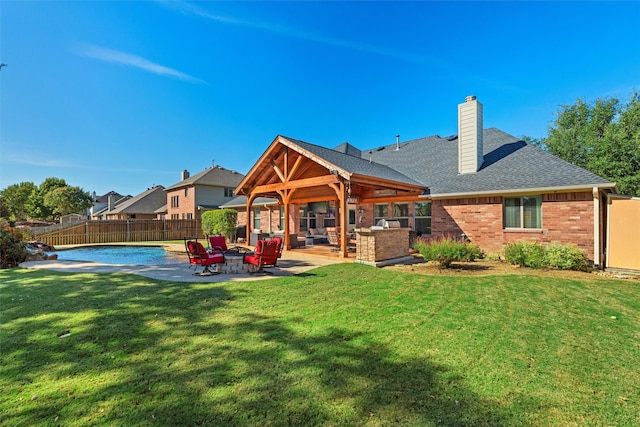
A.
pixel 535 255
pixel 565 257
pixel 527 254
pixel 447 250
pixel 12 248
pixel 220 222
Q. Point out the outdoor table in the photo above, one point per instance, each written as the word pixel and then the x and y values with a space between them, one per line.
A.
pixel 234 263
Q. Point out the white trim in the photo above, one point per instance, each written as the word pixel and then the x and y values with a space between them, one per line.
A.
pixel 520 191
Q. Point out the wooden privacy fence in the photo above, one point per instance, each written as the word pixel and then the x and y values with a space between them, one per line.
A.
pixel 116 231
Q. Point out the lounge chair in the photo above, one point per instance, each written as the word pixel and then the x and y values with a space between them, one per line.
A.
pixel 266 254
pixel 333 234
pixel 199 256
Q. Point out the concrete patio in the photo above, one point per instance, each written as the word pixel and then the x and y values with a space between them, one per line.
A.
pixel 290 264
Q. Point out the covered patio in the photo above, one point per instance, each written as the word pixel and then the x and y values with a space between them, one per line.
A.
pixel 297 173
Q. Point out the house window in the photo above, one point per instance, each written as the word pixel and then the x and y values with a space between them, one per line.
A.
pixel 422 218
pixel 380 211
pixel 307 219
pixel 175 201
pixel 330 218
pixel 256 218
pixel 522 212
pixel 228 192
pixel 189 215
pixel 352 218
pixel 186 192
pixel 175 216
pixel 401 214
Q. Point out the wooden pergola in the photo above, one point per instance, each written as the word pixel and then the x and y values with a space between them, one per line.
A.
pixel 295 172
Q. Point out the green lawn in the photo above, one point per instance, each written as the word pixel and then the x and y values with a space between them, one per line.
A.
pixel 341 345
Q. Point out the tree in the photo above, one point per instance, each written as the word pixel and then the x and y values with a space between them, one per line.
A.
pixel 222 222
pixel 67 200
pixel 15 199
pixel 36 207
pixel 602 137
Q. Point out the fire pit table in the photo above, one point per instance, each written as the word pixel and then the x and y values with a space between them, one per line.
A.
pixel 234 263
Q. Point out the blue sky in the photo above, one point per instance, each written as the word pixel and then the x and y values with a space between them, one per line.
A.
pixel 122 95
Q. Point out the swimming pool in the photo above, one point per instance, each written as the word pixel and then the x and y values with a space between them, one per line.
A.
pixel 137 255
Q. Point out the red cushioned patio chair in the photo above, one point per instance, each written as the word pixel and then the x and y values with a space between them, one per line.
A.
pixel 279 243
pixel 198 255
pixel 266 254
pixel 217 244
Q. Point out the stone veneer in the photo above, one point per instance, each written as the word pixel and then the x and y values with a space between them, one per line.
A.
pixel 375 246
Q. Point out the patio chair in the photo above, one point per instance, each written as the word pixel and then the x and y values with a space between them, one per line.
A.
pixel 334 240
pixel 266 254
pixel 198 256
pixel 279 244
pixel 217 244
pixel 333 234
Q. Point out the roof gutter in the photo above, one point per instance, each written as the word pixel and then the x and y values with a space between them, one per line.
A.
pixel 520 191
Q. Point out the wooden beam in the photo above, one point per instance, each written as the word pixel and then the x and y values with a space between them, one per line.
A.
pixel 388 199
pixel 342 203
pixel 300 183
pixel 294 168
pixel 277 170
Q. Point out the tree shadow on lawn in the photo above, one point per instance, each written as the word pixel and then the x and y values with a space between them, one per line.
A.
pixel 153 352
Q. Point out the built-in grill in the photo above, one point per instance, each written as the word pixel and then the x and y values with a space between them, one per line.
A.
pixel 387 223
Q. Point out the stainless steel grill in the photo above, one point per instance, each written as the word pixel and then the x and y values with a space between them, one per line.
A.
pixel 388 223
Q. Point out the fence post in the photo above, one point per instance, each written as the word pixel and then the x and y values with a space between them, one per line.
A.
pixel 86 232
pixel 128 235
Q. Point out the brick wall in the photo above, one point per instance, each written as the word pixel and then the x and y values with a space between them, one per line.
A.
pixel 186 204
pixel 567 218
pixel 480 219
pixel 274 218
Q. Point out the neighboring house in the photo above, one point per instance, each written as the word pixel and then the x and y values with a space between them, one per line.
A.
pixel 142 206
pixel 204 191
pixel 113 202
pixel 100 203
pixel 482 184
pixel 72 218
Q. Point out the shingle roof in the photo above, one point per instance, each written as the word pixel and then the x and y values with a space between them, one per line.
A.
pixel 105 197
pixel 146 202
pixel 356 165
pixel 509 164
pixel 215 176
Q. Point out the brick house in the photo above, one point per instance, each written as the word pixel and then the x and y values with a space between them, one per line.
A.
pixel 143 206
pixel 206 190
pixel 484 184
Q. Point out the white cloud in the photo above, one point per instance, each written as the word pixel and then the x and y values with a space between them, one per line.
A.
pixel 131 60
pixel 192 9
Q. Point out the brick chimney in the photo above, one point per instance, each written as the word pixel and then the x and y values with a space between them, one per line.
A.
pixel 470 155
pixel 184 175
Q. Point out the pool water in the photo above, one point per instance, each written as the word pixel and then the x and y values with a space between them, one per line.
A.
pixel 137 255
